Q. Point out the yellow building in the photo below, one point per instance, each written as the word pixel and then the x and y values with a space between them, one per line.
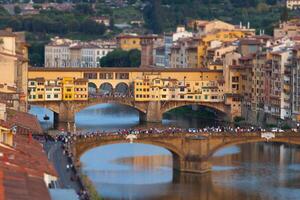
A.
pixel 142 89
pixel 6 135
pixel 155 88
pixel 81 89
pixel 129 42
pixel 68 89
pixel 149 84
pixel 222 36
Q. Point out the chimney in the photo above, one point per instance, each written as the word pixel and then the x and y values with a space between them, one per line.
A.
pixel 248 25
pixel 241 25
pixel 2 111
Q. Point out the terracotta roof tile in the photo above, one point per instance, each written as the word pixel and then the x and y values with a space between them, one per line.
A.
pixel 22 169
pixel 29 123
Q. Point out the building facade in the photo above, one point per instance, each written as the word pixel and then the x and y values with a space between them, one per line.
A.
pixel 13 67
pixel 292 4
pixel 64 53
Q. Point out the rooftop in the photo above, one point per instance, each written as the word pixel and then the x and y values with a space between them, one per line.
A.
pixel 22 170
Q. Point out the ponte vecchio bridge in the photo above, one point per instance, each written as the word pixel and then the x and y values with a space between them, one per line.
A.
pixel 151 91
pixel 191 152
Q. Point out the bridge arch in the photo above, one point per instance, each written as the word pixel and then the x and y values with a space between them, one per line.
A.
pixel 219 108
pixel 106 88
pixel 237 141
pixel 122 88
pixel 124 103
pixel 92 87
pixel 82 147
pixel 51 107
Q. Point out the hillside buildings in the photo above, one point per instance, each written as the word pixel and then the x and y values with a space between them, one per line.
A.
pixel 292 4
pixel 257 72
pixel 289 29
pixel 66 53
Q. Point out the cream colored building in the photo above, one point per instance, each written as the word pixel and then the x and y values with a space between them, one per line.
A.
pixel 292 4
pixel 53 90
pixel 289 29
pixel 13 68
pixel 204 27
pixel 64 53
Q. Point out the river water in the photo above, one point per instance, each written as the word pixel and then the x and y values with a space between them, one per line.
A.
pixel 258 171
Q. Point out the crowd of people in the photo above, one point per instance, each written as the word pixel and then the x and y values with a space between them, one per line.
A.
pixel 67 139
pixel 70 166
pixel 169 130
pixel 109 94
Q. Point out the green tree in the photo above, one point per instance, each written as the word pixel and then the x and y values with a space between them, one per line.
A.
pixel 121 58
pixel 134 57
pixel 284 14
pixel 17 10
pixel 3 12
pixel 153 15
pixel 84 8
pixel 89 26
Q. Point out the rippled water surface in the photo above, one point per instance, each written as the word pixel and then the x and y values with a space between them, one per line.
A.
pixel 257 171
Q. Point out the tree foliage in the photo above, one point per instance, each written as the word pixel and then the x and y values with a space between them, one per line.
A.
pixel 153 16
pixel 121 58
pixel 165 15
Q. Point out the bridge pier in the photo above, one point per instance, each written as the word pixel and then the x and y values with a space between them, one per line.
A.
pixel 153 113
pixel 55 120
pixel 193 166
pixel 66 112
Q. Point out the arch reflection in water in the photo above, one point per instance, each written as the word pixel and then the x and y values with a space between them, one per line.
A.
pixel 127 170
pixel 107 117
pixel 256 171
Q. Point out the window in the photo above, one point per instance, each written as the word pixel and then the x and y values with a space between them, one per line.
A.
pixel 40 96
pixel 164 96
pixel 122 75
pixel 106 75
pixel 48 96
pixel 90 75
pixel 235 79
pixel 56 96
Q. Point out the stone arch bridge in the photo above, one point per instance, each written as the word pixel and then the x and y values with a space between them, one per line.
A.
pixel 191 153
pixel 150 111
